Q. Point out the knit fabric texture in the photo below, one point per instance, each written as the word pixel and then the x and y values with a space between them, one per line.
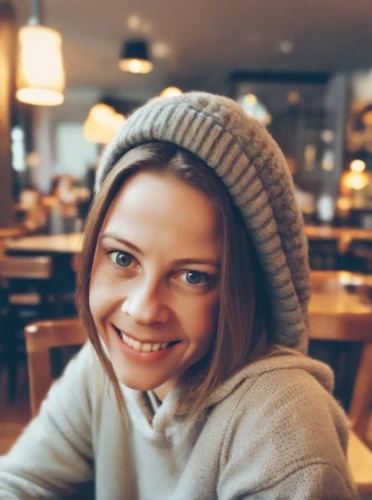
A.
pixel 273 432
pixel 249 162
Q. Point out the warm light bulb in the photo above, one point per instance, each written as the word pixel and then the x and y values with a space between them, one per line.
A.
pixel 250 99
pixel 357 166
pixel 41 77
pixel 102 113
pixel 102 123
pixel 354 180
pixel 170 92
pixel 136 66
pixel 344 204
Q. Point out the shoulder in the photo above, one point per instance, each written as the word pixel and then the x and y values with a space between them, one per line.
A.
pixel 289 412
pixel 284 423
pixel 289 405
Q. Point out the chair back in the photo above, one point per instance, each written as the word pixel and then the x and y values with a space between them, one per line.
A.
pixel 360 462
pixel 41 336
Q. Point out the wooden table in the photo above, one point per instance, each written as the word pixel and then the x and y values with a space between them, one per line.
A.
pixel 340 316
pixel 344 235
pixel 62 248
pixel 333 316
pixel 71 243
pixel 54 243
pixel 334 312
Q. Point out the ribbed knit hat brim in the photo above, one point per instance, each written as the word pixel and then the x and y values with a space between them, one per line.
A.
pixel 251 165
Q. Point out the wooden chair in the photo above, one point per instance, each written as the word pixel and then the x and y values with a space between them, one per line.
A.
pixel 338 316
pixel 24 294
pixel 360 462
pixel 41 336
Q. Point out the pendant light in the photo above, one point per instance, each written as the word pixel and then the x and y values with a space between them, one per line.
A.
pixel 40 72
pixel 102 124
pixel 134 57
pixel 170 92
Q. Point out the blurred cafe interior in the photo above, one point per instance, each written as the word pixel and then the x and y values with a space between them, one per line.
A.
pixel 71 73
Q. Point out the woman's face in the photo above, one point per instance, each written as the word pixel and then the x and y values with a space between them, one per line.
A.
pixel 154 288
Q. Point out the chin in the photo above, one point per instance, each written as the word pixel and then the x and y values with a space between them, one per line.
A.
pixel 139 382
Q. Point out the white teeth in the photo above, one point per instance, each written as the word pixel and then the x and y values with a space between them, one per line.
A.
pixel 137 346
pixel 146 347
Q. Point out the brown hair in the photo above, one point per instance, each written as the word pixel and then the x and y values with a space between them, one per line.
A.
pixel 243 312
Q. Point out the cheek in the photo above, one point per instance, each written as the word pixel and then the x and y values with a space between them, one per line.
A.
pixel 200 321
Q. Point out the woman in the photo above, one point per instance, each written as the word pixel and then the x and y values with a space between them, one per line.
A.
pixel 193 290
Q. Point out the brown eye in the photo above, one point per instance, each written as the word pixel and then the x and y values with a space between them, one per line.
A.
pixel 122 259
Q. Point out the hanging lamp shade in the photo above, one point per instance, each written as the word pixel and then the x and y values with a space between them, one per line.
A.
pixel 134 57
pixel 102 123
pixel 40 76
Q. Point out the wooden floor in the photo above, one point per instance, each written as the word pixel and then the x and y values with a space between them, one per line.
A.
pixel 13 417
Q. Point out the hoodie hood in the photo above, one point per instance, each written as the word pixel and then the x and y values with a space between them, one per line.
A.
pixel 170 416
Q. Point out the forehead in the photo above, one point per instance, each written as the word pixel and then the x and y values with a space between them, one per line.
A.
pixel 151 206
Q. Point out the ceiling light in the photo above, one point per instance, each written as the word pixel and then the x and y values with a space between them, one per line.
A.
pixel 327 135
pixel 134 57
pixel 293 97
pixel 286 46
pixel 354 180
pixel 160 50
pixel 170 92
pixel 40 72
pixel 250 99
pixel 357 166
pixel 102 123
pixel 134 22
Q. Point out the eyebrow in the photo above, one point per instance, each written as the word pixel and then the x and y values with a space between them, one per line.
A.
pixel 179 262
pixel 121 240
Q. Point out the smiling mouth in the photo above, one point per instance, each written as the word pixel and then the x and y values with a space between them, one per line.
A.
pixel 136 345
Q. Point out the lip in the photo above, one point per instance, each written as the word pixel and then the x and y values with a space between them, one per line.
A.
pixel 143 357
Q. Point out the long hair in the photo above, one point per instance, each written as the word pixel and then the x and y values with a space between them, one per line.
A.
pixel 244 313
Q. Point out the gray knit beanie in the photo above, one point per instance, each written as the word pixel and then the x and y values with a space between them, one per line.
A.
pixel 251 165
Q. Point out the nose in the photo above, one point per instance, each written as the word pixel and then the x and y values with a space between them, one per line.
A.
pixel 144 305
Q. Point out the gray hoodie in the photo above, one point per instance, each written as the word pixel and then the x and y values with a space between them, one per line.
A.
pixel 271 431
